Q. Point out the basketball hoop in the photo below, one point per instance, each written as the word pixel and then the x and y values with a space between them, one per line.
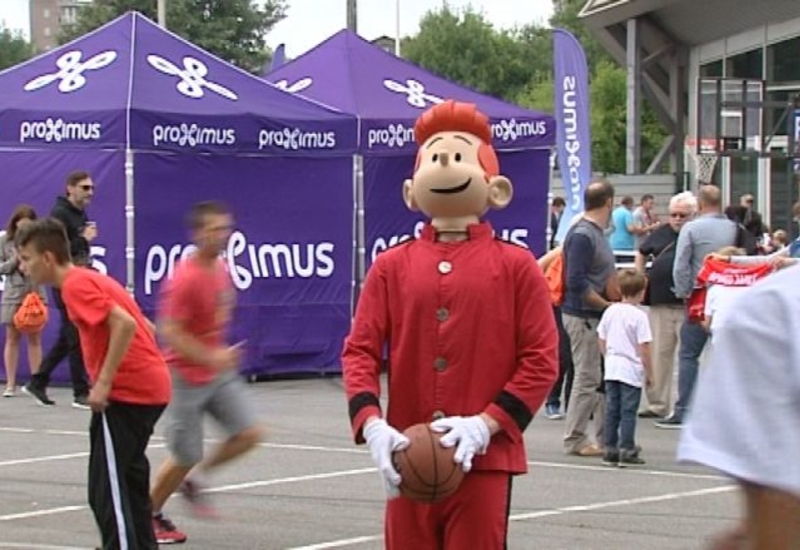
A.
pixel 704 157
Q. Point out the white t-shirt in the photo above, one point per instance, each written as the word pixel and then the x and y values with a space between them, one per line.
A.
pixel 746 411
pixel 718 299
pixel 624 327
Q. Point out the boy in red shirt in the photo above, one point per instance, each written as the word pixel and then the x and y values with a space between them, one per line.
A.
pixel 130 383
pixel 194 317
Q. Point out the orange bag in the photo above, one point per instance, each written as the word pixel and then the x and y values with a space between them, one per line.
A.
pixel 31 316
pixel 554 275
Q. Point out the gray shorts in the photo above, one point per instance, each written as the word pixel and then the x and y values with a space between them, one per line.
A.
pixel 226 399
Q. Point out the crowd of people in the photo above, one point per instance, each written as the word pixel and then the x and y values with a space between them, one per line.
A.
pixel 699 275
pixel 616 358
pixel 119 371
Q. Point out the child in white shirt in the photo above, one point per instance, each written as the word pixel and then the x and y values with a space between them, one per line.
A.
pixel 625 337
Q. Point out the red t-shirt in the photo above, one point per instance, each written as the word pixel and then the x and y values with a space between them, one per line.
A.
pixel 142 377
pixel 717 272
pixel 201 299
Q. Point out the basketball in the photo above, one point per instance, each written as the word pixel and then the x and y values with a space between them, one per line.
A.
pixel 428 471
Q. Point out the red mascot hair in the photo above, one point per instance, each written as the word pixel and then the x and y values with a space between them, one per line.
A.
pixel 454 116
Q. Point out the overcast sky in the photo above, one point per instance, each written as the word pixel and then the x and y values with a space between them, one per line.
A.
pixel 309 22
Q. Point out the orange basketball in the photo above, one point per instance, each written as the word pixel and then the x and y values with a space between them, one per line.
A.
pixel 427 469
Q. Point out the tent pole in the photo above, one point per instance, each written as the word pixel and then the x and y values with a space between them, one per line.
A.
pixel 361 239
pixel 129 219
pixel 549 229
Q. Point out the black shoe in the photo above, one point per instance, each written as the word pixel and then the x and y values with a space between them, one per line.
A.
pixel 672 422
pixel 649 414
pixel 81 402
pixel 39 394
pixel 630 456
pixel 611 458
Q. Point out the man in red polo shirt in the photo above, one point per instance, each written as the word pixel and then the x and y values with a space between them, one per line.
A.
pixel 194 317
pixel 130 383
pixel 471 338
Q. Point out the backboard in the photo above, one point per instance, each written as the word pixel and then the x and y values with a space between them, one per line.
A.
pixel 730 116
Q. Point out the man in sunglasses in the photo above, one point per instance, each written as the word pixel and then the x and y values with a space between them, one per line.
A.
pixel 70 210
pixel 666 309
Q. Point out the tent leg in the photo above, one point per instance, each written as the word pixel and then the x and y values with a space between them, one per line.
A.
pixel 129 223
pixel 360 245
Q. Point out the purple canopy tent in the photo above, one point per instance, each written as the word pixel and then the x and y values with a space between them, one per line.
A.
pixel 388 94
pixel 162 124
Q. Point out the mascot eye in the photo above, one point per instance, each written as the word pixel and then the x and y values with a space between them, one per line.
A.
pixel 458 157
pixel 435 157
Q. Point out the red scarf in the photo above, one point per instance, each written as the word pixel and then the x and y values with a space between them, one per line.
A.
pixel 716 272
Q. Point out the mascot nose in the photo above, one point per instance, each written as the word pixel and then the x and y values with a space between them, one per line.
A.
pixel 444 158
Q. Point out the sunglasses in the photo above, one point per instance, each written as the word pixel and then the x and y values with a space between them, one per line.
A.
pixel 678 215
pixel 87 187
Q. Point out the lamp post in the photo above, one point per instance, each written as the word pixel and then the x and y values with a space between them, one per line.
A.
pixel 397 28
pixel 352 19
pixel 162 13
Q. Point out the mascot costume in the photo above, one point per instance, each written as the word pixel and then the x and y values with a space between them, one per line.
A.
pixel 471 339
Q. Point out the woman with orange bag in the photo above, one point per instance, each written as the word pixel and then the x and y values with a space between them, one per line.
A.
pixel 17 286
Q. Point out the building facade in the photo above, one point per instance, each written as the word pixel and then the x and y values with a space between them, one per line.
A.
pixel 667 46
pixel 47 17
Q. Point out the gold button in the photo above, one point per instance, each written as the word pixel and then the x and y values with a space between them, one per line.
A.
pixel 440 364
pixel 438 415
pixel 442 314
pixel 445 267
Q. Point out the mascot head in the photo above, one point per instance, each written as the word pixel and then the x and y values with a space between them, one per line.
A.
pixel 457 175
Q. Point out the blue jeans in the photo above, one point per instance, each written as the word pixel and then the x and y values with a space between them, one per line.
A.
pixel 693 340
pixel 622 405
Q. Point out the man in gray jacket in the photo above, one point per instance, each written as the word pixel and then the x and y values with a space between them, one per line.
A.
pixel 706 234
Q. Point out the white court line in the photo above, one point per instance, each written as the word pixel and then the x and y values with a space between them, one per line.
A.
pixel 222 489
pixel 663 473
pixel 339 543
pixel 545 513
pixel 29 546
pixel 268 482
pixel 52 458
pixel 47 512
pixel 43 459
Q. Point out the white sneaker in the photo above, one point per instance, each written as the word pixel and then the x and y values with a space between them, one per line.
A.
pixel 10 391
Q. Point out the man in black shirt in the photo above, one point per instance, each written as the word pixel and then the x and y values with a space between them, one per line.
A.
pixel 666 309
pixel 70 210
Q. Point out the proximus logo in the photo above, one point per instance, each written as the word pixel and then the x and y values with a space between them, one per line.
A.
pixel 394 135
pixel 58 130
pixel 294 139
pixel 248 262
pixel 511 130
pixel 192 135
pixel 572 143
pixel 518 236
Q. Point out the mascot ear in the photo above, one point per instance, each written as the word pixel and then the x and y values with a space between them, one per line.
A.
pixel 408 196
pixel 500 192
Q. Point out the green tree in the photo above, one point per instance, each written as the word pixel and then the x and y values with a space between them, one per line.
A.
pixel 13 48
pixel 464 47
pixel 234 30
pixel 565 16
pixel 608 118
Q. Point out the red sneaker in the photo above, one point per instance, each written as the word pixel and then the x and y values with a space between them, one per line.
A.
pixel 199 502
pixel 166 532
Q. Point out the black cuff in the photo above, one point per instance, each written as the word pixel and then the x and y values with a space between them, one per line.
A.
pixel 515 408
pixel 361 400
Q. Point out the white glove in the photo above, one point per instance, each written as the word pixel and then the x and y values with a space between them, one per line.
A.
pixel 470 433
pixel 383 440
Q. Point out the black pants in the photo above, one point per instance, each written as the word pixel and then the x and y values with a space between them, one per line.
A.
pixel 566 369
pixel 67 345
pixel 119 475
